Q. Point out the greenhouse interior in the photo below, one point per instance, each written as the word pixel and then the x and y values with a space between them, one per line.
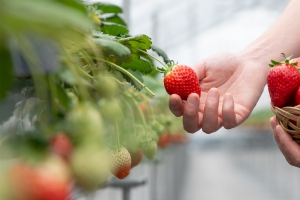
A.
pixel 87 112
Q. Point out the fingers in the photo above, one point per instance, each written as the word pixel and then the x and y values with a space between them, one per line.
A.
pixel 191 114
pixel 289 148
pixel 211 121
pixel 274 123
pixel 228 114
pixel 176 105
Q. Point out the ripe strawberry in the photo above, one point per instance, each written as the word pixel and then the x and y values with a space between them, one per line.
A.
pixel 121 163
pixel 181 80
pixel 179 138
pixel 61 145
pixel 149 149
pixel 164 140
pixel 283 80
pixel 136 157
pixel 297 97
pixel 44 181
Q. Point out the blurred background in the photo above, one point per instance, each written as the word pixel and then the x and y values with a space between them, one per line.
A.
pixel 242 163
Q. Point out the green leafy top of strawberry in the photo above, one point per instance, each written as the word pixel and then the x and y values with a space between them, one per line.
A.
pixel 286 61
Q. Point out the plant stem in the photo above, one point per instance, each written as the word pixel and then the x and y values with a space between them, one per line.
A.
pixel 117 136
pixel 127 73
pixel 164 65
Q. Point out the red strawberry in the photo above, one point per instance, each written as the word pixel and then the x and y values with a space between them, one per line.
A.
pixel 181 80
pixel 283 80
pixel 44 181
pixel 297 97
pixel 62 146
pixel 121 163
pixel 136 157
pixel 179 138
pixel 164 140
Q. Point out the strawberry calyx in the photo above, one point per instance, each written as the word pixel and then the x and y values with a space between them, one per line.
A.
pixel 286 61
pixel 167 67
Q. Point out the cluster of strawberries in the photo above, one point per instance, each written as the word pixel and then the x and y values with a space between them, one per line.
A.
pixel 284 82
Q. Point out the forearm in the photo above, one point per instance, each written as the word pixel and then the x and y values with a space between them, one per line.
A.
pixel 282 37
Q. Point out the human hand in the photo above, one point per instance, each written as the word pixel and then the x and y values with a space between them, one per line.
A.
pixel 289 148
pixel 231 85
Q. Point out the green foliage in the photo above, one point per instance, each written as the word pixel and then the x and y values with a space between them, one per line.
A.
pixel 56 19
pixel 6 72
pixel 108 8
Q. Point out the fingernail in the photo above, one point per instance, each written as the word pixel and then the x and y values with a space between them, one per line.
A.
pixel 227 97
pixel 213 93
pixel 278 130
pixel 192 100
pixel 273 124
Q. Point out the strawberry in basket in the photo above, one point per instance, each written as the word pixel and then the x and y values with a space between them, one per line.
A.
pixel 283 81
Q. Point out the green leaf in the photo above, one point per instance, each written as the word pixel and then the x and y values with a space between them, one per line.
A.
pixel 109 47
pixel 109 8
pixel 66 76
pixel 160 52
pixel 115 19
pixel 155 85
pixel 142 65
pixel 134 43
pixel 275 62
pixel 99 34
pixel 113 29
pixel 138 75
pixel 73 4
pixel 55 19
pixel 62 97
pixel 6 72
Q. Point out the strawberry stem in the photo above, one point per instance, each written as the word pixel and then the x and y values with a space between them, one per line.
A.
pixel 141 115
pixel 117 137
pixel 286 61
pixel 163 64
pixel 127 73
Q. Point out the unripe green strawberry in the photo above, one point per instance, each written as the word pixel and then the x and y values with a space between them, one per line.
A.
pixel 181 80
pixel 149 148
pixel 106 86
pixel 90 167
pixel 6 187
pixel 121 163
pixel 84 124
pixel 110 109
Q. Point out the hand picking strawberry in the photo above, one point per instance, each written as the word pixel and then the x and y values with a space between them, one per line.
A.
pixel 283 81
pixel 181 80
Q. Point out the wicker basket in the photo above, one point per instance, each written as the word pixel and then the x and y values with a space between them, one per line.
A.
pixel 285 116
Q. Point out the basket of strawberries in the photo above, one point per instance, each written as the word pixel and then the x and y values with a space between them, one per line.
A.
pixel 283 83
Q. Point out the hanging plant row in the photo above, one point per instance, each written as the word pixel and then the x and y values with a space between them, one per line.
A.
pixel 80 100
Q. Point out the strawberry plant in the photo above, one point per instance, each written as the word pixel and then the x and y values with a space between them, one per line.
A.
pixel 76 85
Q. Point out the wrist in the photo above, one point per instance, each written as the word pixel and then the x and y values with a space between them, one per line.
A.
pixel 258 57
